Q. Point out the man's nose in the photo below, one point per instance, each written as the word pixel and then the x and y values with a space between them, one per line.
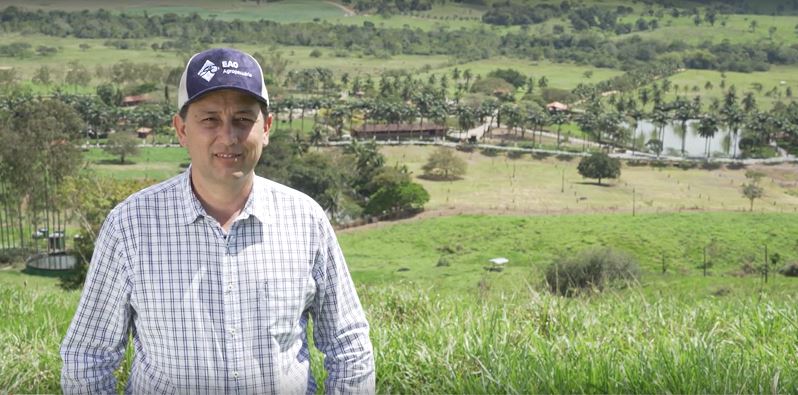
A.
pixel 229 133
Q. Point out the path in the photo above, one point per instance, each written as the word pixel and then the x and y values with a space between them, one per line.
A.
pixel 347 11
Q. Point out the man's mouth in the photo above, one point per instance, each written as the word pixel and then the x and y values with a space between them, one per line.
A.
pixel 227 156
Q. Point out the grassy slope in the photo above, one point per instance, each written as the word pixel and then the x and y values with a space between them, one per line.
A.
pixel 459 329
pixel 533 242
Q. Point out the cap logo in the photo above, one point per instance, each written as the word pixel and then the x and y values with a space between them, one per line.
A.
pixel 208 70
pixel 230 64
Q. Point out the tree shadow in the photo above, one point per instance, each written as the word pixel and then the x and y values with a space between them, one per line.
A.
pixel 114 162
pixel 434 177
pixel 594 183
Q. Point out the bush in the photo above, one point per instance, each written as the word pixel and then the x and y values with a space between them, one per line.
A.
pixel 790 270
pixel 592 269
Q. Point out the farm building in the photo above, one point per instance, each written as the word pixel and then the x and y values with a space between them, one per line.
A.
pixel 395 131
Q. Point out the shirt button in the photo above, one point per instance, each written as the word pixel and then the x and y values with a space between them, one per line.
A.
pixel 229 288
pixel 235 375
pixel 232 331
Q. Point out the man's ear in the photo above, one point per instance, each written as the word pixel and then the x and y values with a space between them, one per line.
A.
pixel 180 129
pixel 267 127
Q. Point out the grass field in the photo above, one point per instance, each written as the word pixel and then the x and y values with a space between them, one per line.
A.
pixel 528 185
pixel 779 77
pixel 737 29
pixel 460 329
pixel 500 184
pixel 281 11
pixel 533 242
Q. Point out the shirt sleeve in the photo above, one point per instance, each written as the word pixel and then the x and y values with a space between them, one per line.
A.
pixel 340 329
pixel 96 339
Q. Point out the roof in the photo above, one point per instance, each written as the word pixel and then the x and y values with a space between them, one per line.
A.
pixel 399 127
pixel 555 105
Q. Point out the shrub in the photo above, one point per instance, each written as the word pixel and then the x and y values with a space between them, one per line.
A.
pixel 592 269
pixel 706 165
pixel 790 270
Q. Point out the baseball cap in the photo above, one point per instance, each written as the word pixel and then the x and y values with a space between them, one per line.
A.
pixel 221 68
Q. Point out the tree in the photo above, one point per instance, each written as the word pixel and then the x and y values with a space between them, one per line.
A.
pixel 122 144
pixel 599 165
pixel 42 75
pixel 109 94
pixel 39 151
pixel 77 75
pixel 397 199
pixel 707 127
pixel 751 190
pixel 444 164
pixel 683 112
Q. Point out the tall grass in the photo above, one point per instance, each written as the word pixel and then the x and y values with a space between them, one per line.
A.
pixel 618 343
pixel 526 342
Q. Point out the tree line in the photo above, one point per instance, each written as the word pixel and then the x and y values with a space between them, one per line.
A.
pixel 190 33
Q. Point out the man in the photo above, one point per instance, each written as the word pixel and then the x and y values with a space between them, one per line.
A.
pixel 215 272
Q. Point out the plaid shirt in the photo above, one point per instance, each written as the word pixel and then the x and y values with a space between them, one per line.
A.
pixel 211 312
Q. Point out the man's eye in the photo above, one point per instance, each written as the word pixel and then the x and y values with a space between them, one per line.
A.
pixel 244 119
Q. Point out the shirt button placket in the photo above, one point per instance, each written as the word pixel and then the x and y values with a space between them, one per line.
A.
pixel 231 305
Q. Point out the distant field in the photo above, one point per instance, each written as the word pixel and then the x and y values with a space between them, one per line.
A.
pixel 281 11
pixel 560 75
pixel 527 185
pixel 100 55
pixel 779 77
pixel 737 29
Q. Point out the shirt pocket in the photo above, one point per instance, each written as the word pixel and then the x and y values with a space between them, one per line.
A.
pixel 283 301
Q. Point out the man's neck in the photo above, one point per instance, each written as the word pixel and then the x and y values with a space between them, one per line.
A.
pixel 223 202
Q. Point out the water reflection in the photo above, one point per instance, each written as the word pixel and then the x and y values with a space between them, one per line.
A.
pixel 694 145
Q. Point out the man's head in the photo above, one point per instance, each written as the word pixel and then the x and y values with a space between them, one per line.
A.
pixel 221 68
pixel 223 118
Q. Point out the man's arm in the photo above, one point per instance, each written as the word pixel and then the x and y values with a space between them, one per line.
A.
pixel 95 342
pixel 340 329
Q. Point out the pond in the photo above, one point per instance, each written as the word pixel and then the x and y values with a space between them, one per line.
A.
pixel 694 145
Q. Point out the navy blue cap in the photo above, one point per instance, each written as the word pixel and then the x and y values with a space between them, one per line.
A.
pixel 221 68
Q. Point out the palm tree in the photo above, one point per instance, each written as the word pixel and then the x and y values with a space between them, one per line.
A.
pixel 707 127
pixel 558 118
pixel 636 115
pixel 536 119
pixel 683 112
pixel 733 117
pixel 660 118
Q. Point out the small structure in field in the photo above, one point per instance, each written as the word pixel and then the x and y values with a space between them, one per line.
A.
pixel 497 264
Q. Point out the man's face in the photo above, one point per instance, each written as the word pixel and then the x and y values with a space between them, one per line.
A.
pixel 224 133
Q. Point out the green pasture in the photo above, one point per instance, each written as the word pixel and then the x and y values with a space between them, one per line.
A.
pixel 560 75
pixel 462 329
pixel 443 20
pixel 99 55
pixel 529 184
pixel 280 11
pixel 532 242
pixel 736 30
pixel 151 163
pixel 500 184
pixel 779 77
